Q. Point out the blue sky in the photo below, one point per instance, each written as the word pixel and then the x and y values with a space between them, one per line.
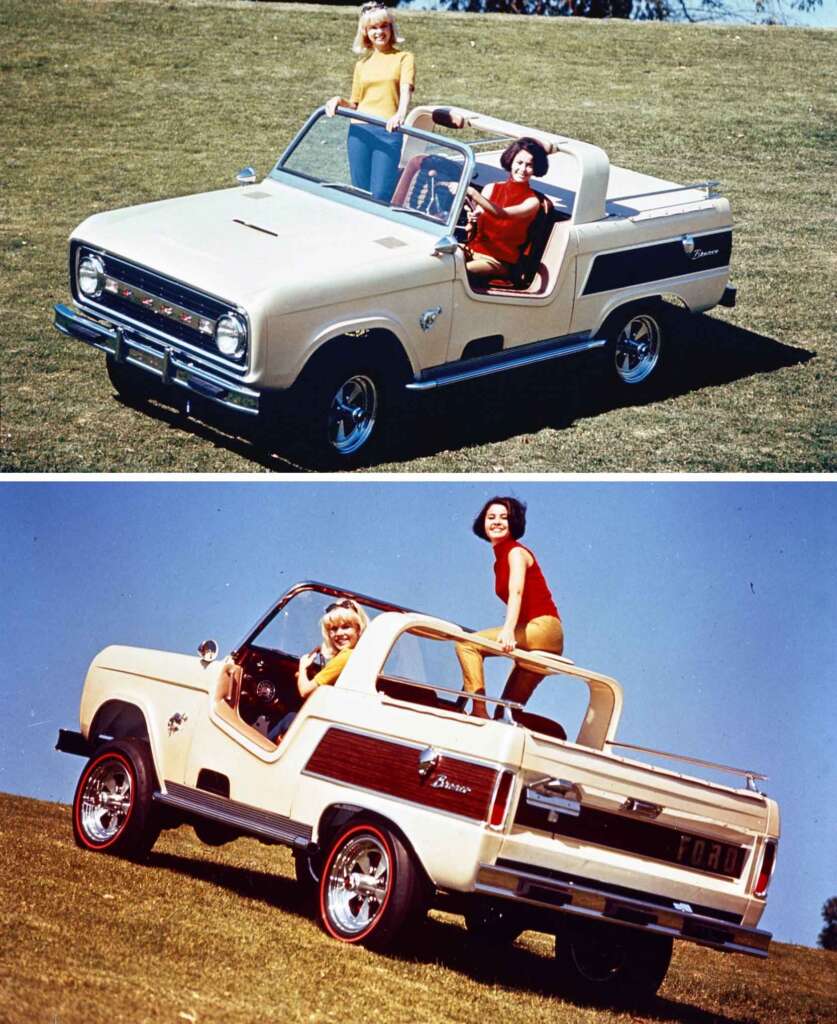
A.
pixel 714 603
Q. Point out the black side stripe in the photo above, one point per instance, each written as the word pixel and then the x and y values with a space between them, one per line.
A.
pixel 657 262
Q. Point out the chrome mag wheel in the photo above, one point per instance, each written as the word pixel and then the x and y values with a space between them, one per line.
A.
pixel 353 414
pixel 106 800
pixel 638 346
pixel 357 884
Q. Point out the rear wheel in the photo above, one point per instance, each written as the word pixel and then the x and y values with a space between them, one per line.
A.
pixel 638 345
pixel 113 809
pixel 370 886
pixel 605 964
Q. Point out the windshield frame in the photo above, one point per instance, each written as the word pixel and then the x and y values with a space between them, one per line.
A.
pixel 413 219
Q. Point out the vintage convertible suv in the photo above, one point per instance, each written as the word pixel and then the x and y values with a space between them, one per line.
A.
pixel 305 302
pixel 394 799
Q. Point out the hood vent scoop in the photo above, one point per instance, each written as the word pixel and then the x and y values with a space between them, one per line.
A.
pixel 255 194
pixel 255 227
pixel 389 242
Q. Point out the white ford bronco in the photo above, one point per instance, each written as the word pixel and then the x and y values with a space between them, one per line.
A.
pixel 394 799
pixel 313 308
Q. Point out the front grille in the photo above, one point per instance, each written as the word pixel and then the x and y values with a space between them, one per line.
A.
pixel 157 302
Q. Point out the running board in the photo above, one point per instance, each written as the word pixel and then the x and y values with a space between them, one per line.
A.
pixel 499 362
pixel 240 817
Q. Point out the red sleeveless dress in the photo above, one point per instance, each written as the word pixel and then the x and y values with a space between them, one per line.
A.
pixel 537 599
pixel 502 237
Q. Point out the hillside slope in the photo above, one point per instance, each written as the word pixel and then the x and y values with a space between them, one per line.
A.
pixel 205 935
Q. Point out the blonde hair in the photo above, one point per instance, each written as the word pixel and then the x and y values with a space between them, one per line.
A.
pixel 336 614
pixel 369 12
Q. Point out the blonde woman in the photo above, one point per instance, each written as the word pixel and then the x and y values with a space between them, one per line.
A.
pixel 341 627
pixel 382 86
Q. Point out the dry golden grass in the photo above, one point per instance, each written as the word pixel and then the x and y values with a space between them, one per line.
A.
pixel 221 935
pixel 108 104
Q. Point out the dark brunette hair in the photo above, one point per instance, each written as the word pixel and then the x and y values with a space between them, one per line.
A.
pixel 517 516
pixel 540 163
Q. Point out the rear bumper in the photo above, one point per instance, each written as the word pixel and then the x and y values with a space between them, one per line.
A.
pixel 163 361
pixel 587 901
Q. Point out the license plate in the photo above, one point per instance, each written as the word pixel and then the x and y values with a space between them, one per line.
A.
pixel 708 855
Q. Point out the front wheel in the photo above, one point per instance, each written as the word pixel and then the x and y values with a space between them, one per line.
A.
pixel 346 404
pixel 638 343
pixel 370 886
pixel 113 809
pixel 599 963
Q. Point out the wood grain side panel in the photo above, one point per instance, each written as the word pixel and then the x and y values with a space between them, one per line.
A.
pixel 391 768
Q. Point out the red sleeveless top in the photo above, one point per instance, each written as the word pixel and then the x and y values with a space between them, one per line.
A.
pixel 502 237
pixel 537 600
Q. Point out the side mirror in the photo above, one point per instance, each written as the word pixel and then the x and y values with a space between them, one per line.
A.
pixel 446 246
pixel 208 651
pixel 246 176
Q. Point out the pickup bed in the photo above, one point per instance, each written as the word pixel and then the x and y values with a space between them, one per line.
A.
pixel 394 799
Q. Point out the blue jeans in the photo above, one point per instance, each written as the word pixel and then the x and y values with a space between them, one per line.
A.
pixel 373 159
pixel 281 726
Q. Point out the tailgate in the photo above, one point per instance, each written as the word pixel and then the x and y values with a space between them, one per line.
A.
pixel 609 818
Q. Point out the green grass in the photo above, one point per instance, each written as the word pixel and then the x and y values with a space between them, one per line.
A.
pixel 221 935
pixel 107 104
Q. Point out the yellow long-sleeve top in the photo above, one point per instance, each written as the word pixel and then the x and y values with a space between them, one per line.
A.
pixel 327 676
pixel 379 81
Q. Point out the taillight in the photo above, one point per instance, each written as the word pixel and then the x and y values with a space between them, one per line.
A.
pixel 501 800
pixel 767 862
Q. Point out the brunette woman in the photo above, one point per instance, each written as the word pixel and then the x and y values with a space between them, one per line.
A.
pixel 383 83
pixel 532 621
pixel 505 210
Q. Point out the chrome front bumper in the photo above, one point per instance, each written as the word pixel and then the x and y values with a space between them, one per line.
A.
pixel 570 897
pixel 169 365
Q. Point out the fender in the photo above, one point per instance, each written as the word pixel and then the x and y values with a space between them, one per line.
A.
pixel 359 327
pixel 120 718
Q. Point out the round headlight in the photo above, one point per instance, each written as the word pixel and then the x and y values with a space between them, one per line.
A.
pixel 231 336
pixel 91 276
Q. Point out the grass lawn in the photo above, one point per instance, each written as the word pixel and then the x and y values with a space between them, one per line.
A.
pixel 206 935
pixel 109 104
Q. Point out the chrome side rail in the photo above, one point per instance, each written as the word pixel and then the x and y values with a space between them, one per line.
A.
pixel 499 362
pixel 164 361
pixel 568 897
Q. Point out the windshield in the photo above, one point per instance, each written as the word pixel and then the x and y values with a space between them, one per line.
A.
pixel 407 171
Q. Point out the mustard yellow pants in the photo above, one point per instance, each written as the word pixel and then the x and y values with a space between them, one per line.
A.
pixel 544 633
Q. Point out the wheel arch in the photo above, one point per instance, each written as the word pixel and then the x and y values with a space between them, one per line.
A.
pixel 620 304
pixel 119 719
pixel 378 335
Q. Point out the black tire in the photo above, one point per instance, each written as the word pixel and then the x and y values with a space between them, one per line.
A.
pixel 637 355
pixel 370 886
pixel 133 386
pixel 494 923
pixel 602 963
pixel 308 868
pixel 347 404
pixel 113 806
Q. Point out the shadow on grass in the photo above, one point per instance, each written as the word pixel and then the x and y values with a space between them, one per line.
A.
pixel 708 353
pixel 432 942
pixel 266 887
pixel 517 968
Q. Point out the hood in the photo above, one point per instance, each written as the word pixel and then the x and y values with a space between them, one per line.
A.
pixel 238 243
